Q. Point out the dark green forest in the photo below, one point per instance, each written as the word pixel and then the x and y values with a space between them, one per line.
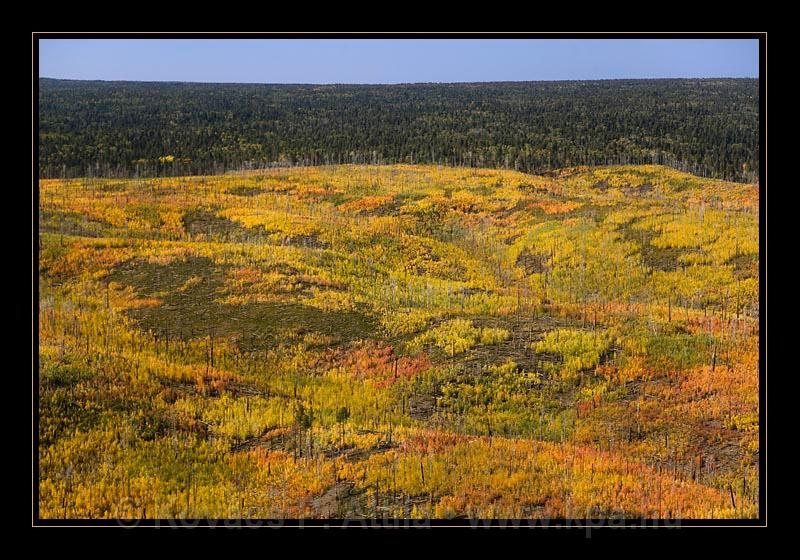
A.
pixel 87 128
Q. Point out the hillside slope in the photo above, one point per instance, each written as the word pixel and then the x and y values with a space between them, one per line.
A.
pixel 399 341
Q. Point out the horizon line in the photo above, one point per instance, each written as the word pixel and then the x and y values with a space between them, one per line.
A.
pixel 399 83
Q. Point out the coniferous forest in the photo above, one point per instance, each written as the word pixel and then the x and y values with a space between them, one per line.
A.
pixel 91 128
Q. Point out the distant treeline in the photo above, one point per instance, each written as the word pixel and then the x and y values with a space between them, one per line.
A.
pixel 708 127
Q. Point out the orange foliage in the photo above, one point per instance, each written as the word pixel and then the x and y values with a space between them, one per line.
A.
pixel 379 362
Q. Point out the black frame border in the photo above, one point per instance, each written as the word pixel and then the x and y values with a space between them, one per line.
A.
pixel 576 524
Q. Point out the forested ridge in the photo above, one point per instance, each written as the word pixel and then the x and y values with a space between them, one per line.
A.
pixel 708 127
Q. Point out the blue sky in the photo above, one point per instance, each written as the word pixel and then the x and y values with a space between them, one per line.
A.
pixel 321 61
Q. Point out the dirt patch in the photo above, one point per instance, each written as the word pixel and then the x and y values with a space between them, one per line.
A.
pixel 421 407
pixel 532 263
pixel 112 187
pixel 205 223
pixel 634 190
pixel 524 330
pixel 271 439
pixel 192 309
pixel 745 266
pixel 71 223
pixel 329 504
pixel 656 258
pixel 352 455
pixel 305 241
pixel 244 190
